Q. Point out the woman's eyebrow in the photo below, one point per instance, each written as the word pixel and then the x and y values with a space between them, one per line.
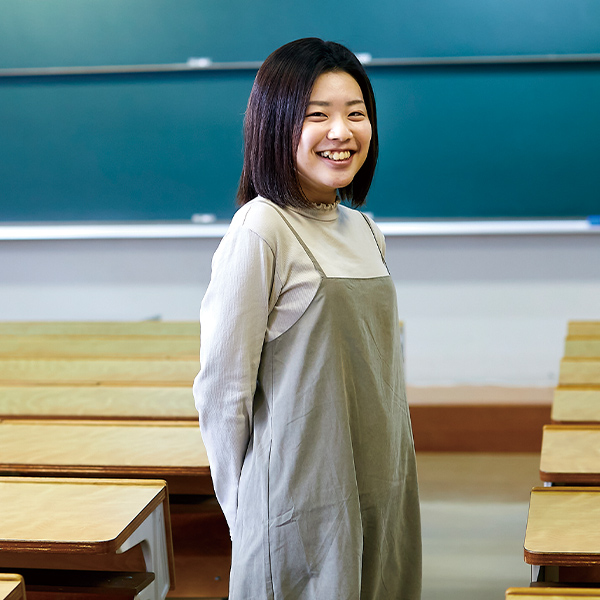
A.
pixel 324 103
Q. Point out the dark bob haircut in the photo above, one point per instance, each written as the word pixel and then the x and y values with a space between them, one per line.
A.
pixel 275 116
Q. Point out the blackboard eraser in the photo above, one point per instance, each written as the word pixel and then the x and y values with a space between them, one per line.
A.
pixel 364 57
pixel 200 62
pixel 204 218
pixel 594 220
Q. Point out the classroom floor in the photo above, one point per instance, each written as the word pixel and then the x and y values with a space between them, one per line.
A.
pixel 474 512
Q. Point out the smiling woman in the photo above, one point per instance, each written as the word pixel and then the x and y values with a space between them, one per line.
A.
pixel 278 115
pixel 301 392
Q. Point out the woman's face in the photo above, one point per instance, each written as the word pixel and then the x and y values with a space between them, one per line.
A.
pixel 335 139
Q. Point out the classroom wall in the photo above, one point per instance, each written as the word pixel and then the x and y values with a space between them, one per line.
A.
pixel 477 309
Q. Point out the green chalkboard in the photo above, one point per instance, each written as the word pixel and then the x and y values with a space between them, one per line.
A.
pixel 457 141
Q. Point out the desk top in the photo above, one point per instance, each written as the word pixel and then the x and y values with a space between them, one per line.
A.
pixel 584 328
pixel 98 402
pixel 561 526
pixel 100 328
pixel 551 593
pixel 582 345
pixel 11 587
pixel 104 448
pixel 571 454
pixel 579 371
pixel 86 346
pixel 576 405
pixel 94 516
pixel 99 371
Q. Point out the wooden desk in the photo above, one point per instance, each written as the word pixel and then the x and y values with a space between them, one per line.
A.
pixel 562 540
pixel 172 451
pixel 87 524
pixel 582 345
pixel 11 587
pixel 75 371
pixel 576 405
pixel 100 346
pixel 579 371
pixel 571 454
pixel 583 328
pixel 191 328
pixel 550 593
pixel 98 402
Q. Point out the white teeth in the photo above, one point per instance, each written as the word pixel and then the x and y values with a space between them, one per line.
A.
pixel 345 155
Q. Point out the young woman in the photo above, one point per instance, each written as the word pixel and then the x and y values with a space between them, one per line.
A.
pixel 301 393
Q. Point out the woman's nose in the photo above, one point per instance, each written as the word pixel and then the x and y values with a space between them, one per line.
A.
pixel 339 131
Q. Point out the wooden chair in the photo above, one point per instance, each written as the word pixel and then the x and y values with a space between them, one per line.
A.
pixel 11 587
pixel 51 584
pixel 570 454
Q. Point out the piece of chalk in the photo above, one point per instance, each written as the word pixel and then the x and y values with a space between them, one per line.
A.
pixel 204 218
pixel 594 220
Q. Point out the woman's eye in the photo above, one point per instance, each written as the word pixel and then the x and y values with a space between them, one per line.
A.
pixel 316 115
pixel 357 115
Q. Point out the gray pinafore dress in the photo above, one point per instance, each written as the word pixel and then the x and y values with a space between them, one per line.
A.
pixel 328 505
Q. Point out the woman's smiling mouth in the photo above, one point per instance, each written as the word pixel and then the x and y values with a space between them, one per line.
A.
pixel 336 155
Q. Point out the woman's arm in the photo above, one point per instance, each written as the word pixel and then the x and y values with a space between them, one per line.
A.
pixel 233 320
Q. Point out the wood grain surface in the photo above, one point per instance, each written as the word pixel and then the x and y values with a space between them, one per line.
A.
pixel 132 449
pixel 98 402
pixel 191 328
pixel 583 328
pixel 73 515
pixel 562 526
pixel 65 371
pixel 579 371
pixel 104 346
pixel 570 454
pixel 576 404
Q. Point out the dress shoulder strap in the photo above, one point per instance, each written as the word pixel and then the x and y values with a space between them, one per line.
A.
pixel 375 238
